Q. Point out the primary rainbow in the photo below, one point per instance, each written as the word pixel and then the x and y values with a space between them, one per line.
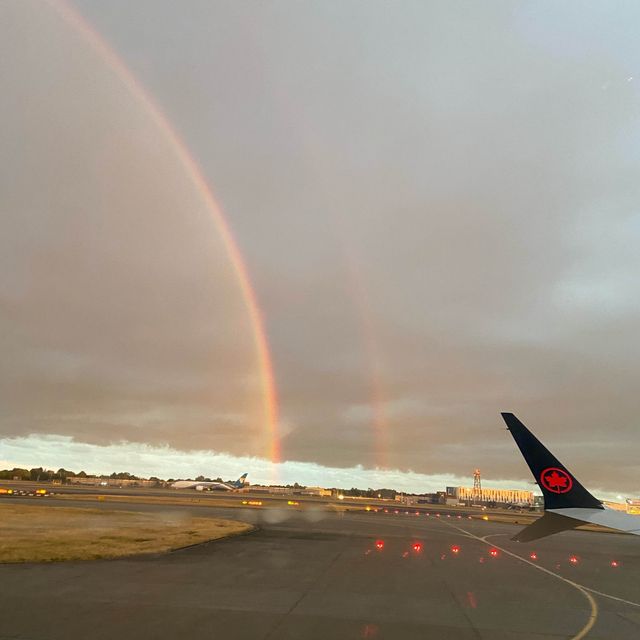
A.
pixel 263 355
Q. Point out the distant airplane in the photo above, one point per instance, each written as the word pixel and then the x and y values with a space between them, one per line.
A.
pixel 567 504
pixel 201 486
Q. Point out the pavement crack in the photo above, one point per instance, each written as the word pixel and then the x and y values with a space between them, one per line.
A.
pixel 279 624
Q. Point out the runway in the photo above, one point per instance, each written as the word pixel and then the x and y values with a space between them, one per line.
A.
pixel 320 575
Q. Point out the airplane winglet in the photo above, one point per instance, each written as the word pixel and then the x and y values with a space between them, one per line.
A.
pixel 559 487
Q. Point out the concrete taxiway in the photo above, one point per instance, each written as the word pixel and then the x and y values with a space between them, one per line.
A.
pixel 316 574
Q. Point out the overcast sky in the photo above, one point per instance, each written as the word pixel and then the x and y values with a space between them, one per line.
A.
pixel 437 203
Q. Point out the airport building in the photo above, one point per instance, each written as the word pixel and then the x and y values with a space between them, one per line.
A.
pixel 282 491
pixel 487 495
pixel 632 506
pixel 316 491
pixel 113 482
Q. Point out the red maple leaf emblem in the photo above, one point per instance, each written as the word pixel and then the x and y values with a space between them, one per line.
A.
pixel 556 480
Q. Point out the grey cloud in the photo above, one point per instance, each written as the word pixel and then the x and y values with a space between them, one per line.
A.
pixel 437 206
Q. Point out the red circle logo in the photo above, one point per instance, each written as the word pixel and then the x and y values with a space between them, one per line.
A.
pixel 556 480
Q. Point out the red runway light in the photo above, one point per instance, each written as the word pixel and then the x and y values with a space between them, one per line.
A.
pixel 417 513
pixel 493 553
pixel 396 511
pixel 533 555
pixel 455 549
pixel 615 563
pixel 417 547
pixel 573 559
pixel 437 515
pixel 379 544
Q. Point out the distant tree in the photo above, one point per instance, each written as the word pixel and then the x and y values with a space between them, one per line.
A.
pixel 37 474
pixel 16 472
pixel 63 474
pixel 123 475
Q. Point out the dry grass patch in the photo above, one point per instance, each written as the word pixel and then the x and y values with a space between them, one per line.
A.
pixel 48 534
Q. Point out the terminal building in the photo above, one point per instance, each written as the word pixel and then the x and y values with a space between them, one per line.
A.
pixel 467 495
pixel 113 482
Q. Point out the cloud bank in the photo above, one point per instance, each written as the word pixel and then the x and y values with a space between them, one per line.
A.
pixel 438 206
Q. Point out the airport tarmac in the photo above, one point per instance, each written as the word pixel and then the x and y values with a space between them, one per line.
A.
pixel 235 498
pixel 216 497
pixel 315 574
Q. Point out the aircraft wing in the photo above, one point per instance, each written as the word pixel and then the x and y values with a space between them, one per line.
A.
pixel 567 503
pixel 611 518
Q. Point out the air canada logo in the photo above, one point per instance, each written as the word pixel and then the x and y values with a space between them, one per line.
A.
pixel 556 480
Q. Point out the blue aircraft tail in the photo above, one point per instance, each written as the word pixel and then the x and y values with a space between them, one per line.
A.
pixel 240 481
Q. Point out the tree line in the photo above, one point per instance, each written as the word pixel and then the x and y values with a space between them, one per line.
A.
pixel 38 474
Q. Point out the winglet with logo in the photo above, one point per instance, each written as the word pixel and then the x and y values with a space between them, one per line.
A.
pixel 559 487
pixel 240 481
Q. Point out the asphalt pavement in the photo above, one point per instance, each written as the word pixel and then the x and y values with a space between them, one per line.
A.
pixel 320 575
